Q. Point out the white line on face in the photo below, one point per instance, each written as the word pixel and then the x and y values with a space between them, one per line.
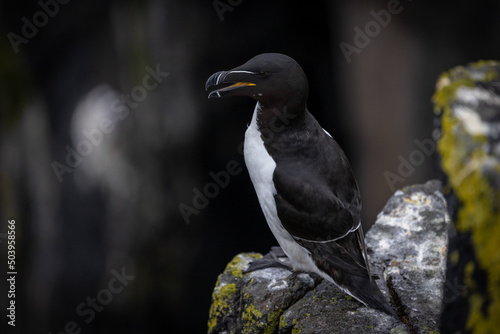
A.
pixel 241 72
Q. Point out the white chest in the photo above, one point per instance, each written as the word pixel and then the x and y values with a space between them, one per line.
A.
pixel 261 168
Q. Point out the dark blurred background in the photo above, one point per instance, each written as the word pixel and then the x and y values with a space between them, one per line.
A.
pixel 104 247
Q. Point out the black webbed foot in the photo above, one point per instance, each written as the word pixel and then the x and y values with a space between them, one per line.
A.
pixel 276 258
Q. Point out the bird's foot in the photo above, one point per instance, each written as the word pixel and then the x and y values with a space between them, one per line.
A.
pixel 276 258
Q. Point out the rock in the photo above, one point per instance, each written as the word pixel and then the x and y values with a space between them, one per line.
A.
pixel 407 249
pixel 467 106
pixel 410 240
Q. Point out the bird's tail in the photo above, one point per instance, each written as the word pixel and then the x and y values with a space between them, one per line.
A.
pixel 366 291
pixel 343 263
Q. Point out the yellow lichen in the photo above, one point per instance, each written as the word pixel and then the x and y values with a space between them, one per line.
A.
pixel 273 321
pixel 250 313
pixel 239 262
pixel 220 303
pixel 296 329
pixel 252 319
pixel 479 213
pixel 283 322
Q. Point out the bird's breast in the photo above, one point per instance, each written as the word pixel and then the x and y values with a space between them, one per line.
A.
pixel 261 167
pixel 260 164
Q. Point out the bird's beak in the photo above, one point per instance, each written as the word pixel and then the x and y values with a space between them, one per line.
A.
pixel 236 79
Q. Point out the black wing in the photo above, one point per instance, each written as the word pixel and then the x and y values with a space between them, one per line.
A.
pixel 318 200
pixel 317 196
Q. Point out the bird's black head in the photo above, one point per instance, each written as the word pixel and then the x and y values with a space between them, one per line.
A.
pixel 273 79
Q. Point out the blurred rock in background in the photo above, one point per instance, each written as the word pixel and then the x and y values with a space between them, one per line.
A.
pixel 467 106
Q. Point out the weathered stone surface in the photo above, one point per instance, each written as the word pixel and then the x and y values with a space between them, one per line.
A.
pixel 467 105
pixel 407 246
pixel 410 240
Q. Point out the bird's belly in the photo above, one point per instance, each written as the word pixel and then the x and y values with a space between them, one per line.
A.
pixel 261 167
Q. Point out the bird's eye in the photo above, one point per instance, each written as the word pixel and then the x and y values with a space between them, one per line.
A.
pixel 262 74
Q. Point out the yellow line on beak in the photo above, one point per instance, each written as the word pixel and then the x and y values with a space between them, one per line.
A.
pixel 242 84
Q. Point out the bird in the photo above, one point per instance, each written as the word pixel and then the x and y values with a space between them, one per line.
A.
pixel 303 180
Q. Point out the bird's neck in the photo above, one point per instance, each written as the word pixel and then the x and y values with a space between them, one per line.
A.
pixel 275 117
pixel 285 131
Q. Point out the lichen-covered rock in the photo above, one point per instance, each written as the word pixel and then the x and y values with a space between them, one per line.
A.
pixel 407 247
pixel 254 302
pixel 410 241
pixel 467 105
